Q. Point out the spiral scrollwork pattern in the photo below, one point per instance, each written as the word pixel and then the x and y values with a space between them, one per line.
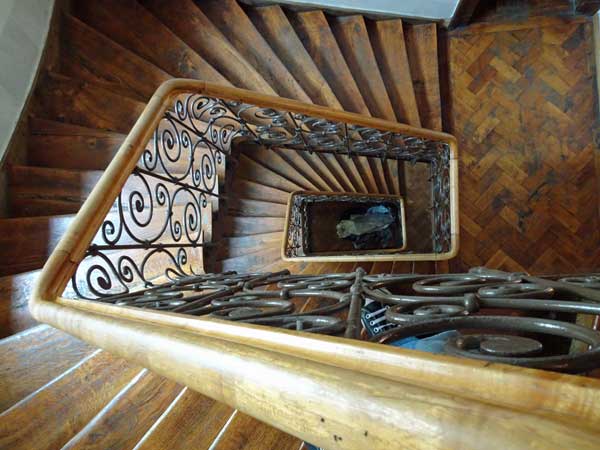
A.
pixel 155 227
pixel 498 317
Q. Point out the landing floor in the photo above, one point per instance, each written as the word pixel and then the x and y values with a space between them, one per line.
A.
pixel 523 105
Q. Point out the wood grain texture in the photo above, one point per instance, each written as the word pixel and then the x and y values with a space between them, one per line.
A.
pixel 193 421
pixel 421 45
pixel 88 54
pixel 15 291
pixel 252 170
pixel 253 190
pixel 523 110
pixel 40 191
pixel 246 433
pixel 314 32
pixel 275 163
pixel 34 357
pixel 243 226
pixel 189 22
pixel 387 38
pixel 252 261
pixel 132 26
pixel 255 208
pixel 353 39
pixel 19 252
pixel 65 146
pixel 305 165
pixel 127 417
pixel 316 35
pixel 233 22
pixel 275 27
pixel 376 402
pixel 237 246
pixel 65 99
pixel 48 419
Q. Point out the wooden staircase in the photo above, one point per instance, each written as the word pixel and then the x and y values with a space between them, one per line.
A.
pixel 58 392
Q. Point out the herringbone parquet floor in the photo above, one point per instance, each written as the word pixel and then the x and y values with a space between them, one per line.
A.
pixel 523 106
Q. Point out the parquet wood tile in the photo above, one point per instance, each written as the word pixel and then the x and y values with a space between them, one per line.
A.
pixel 523 106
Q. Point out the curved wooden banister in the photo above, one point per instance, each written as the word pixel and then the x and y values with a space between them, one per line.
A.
pixel 332 392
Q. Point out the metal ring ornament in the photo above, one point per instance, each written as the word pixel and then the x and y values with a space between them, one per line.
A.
pixel 571 363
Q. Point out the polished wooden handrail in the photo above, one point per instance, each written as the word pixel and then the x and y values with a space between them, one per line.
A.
pixel 332 392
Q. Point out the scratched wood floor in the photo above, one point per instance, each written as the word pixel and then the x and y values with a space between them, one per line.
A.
pixel 523 106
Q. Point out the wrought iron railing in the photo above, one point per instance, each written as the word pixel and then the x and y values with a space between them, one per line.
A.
pixel 160 217
pixel 497 304
pixel 262 342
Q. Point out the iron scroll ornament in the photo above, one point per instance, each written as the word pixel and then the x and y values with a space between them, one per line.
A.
pixel 158 215
pixel 511 312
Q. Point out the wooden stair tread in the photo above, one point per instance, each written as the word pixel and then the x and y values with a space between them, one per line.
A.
pixel 307 166
pixel 113 56
pixel 250 262
pixel 42 191
pixel 19 252
pixel 129 415
pixel 48 419
pixel 65 99
pixel 314 32
pixel 50 191
pixel 253 190
pixel 246 433
pixel 255 208
pixel 199 32
pixel 86 51
pixel 233 22
pixel 315 165
pixel 241 245
pixel 193 421
pixel 273 161
pixel 421 46
pixel 132 26
pixel 252 170
pixel 15 291
pixel 338 169
pixel 275 27
pixel 316 35
pixel 353 38
pixel 33 358
pixel 387 39
pixel 243 226
pixel 66 146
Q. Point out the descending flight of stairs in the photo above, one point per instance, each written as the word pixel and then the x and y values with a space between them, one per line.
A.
pixel 57 392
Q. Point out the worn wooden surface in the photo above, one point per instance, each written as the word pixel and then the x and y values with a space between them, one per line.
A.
pixel 67 146
pixel 19 252
pixel 275 27
pixel 353 39
pixel 47 420
pixel 230 18
pixel 247 433
pixel 523 109
pixel 91 105
pixel 15 291
pixel 33 358
pixel 129 415
pixel 134 27
pixel 92 56
pixel 201 417
pixel 200 33
pixel 421 46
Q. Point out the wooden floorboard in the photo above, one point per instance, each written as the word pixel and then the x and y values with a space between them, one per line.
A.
pixel 524 111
